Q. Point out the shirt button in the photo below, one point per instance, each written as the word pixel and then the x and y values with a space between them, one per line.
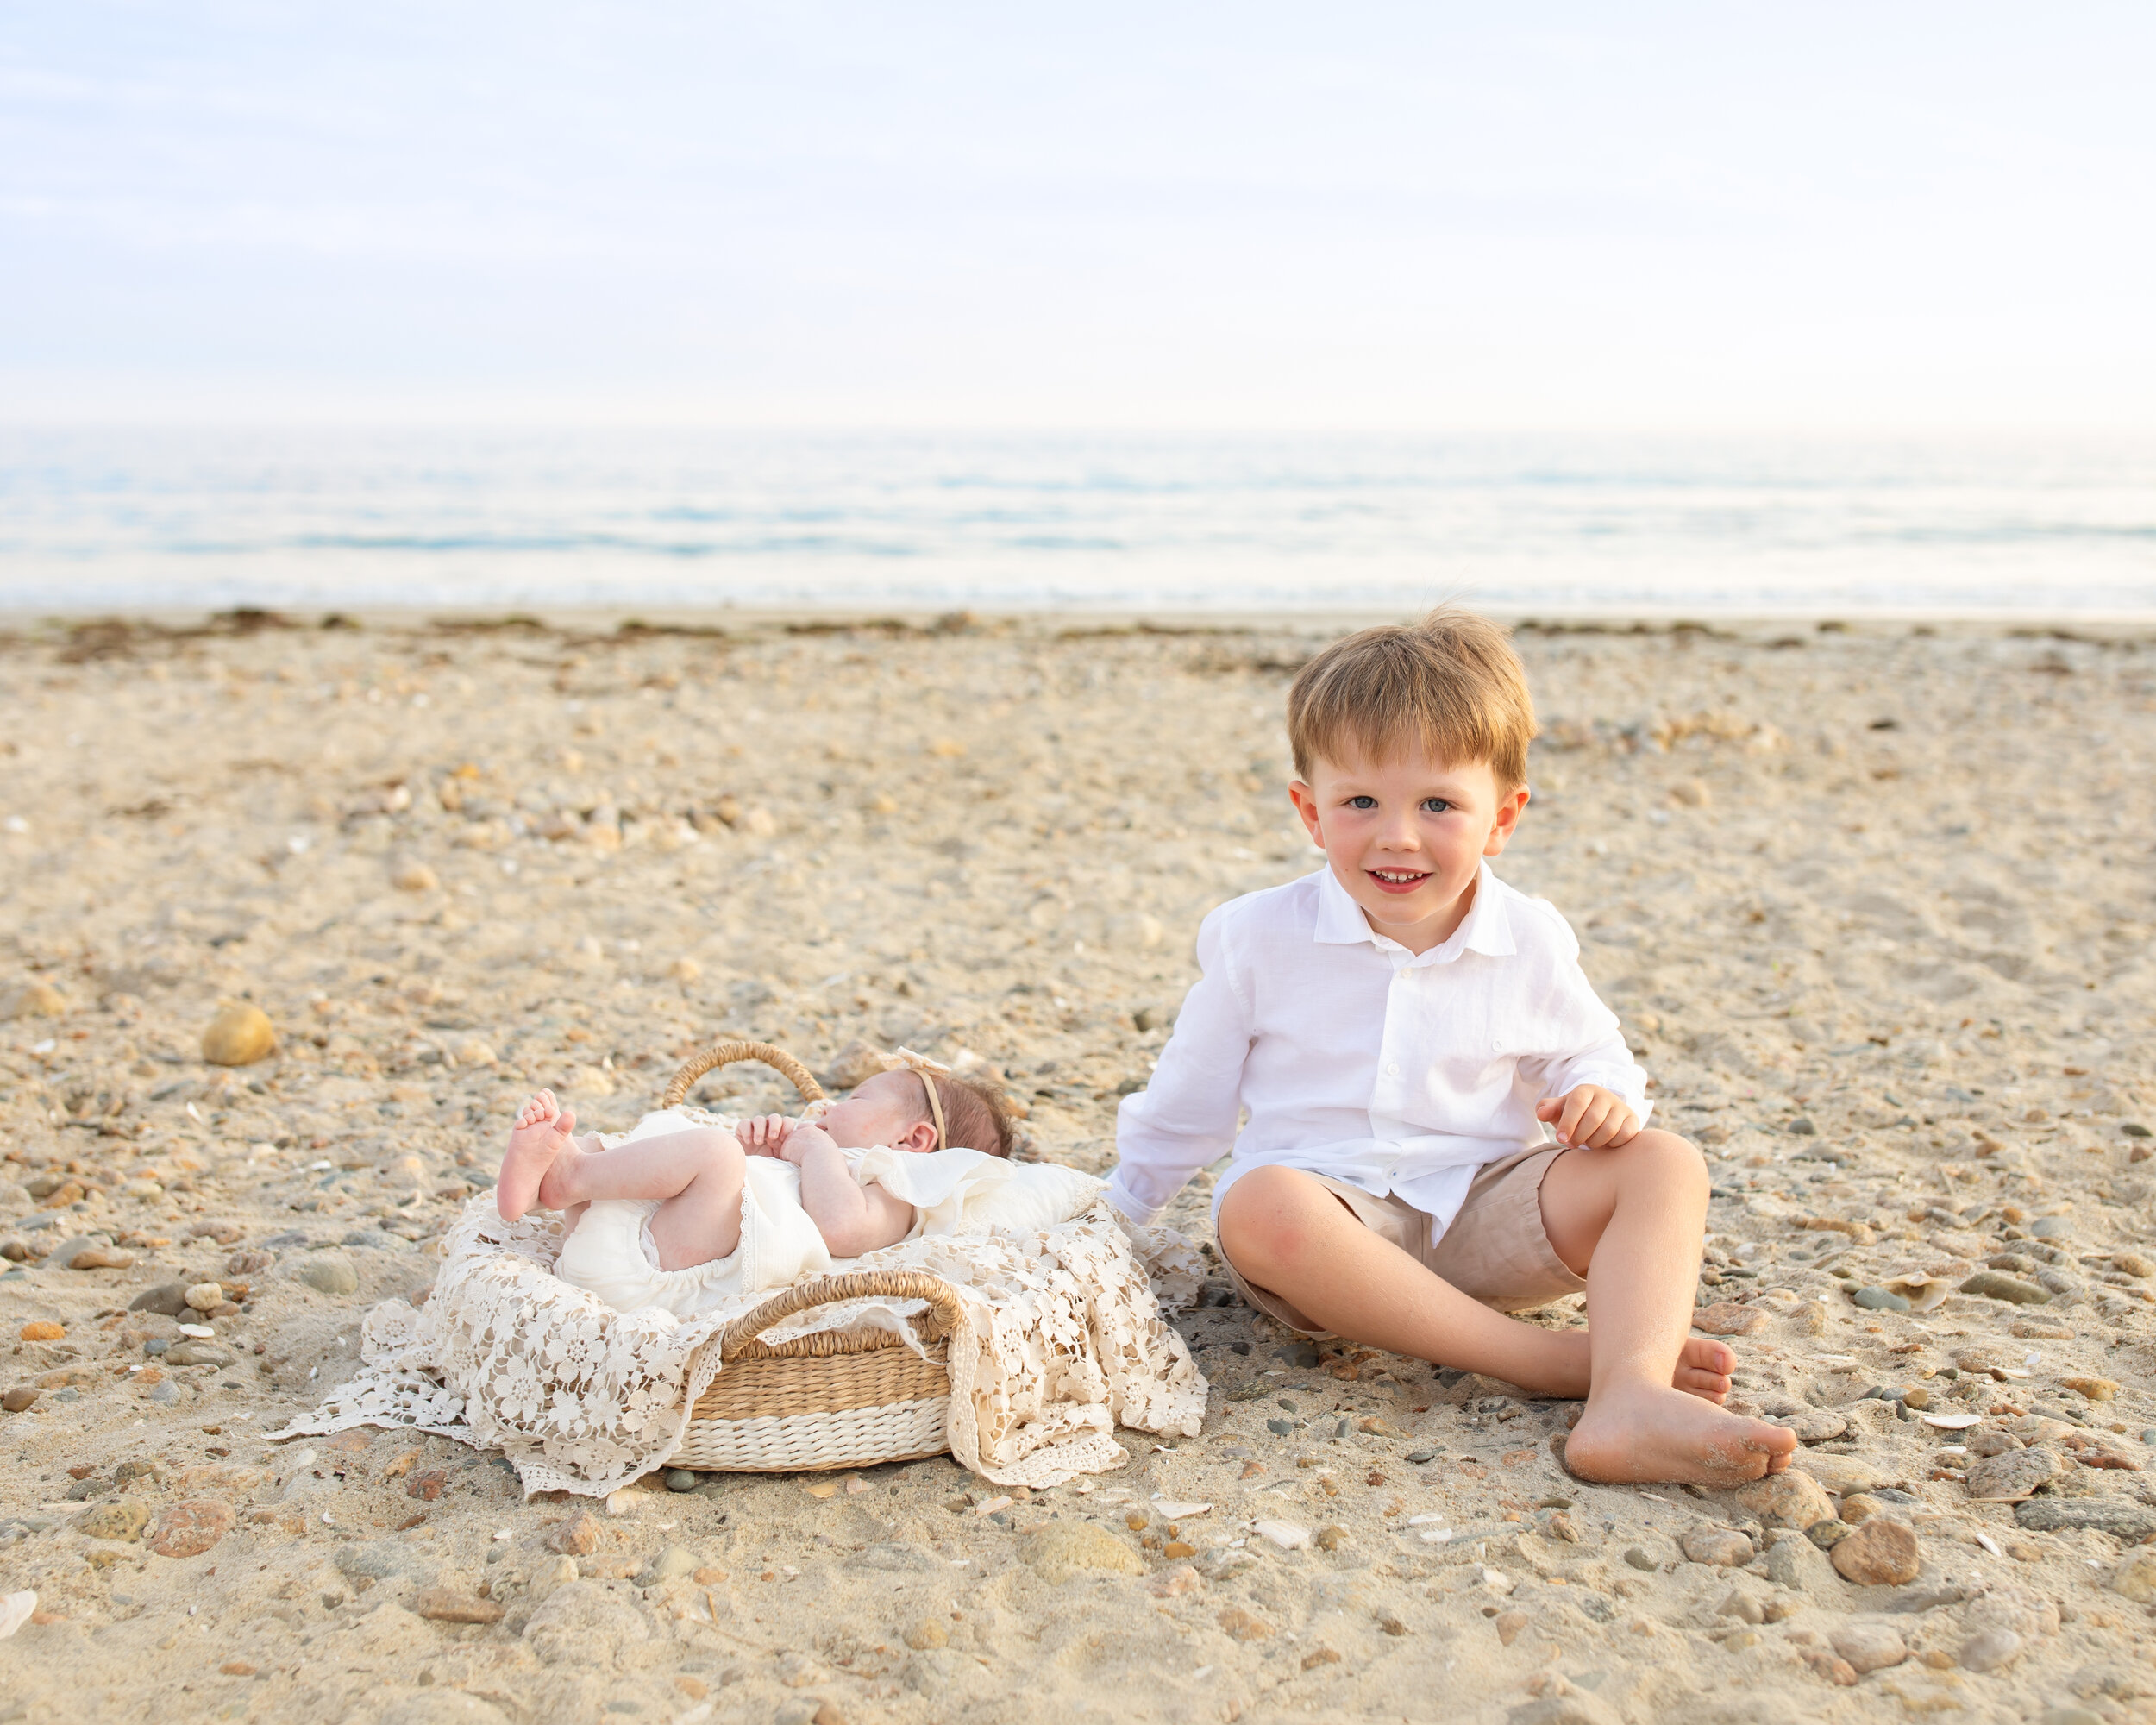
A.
pixel 1392 1069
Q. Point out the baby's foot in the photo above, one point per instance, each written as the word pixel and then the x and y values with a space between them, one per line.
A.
pixel 540 1136
pixel 1703 1368
pixel 1644 1434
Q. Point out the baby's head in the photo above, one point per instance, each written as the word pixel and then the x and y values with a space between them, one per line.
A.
pixel 1411 759
pixel 893 1108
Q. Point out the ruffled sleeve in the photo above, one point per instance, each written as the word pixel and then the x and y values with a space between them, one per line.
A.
pixel 967 1191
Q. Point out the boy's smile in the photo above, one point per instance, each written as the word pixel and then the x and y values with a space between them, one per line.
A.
pixel 1406 836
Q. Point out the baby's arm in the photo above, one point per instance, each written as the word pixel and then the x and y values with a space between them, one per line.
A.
pixel 852 1218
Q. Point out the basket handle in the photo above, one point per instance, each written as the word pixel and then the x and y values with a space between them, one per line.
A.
pixel 725 1053
pixel 859 1284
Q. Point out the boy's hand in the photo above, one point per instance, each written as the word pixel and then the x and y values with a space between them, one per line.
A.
pixel 764 1134
pixel 1590 1117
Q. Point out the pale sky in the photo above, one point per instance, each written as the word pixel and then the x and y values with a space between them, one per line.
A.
pixel 1829 216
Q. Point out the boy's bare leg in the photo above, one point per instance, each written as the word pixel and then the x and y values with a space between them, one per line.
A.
pixel 1287 1233
pixel 697 1176
pixel 1630 1219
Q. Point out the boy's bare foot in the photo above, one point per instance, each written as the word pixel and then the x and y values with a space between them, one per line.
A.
pixel 1703 1368
pixel 1644 1434
pixel 540 1136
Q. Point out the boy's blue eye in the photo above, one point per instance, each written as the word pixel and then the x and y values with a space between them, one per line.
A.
pixel 1363 802
pixel 1435 804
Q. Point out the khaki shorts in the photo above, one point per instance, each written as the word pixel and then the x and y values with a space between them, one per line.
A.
pixel 1496 1251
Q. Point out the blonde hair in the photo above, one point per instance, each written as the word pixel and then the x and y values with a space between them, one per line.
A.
pixel 1450 682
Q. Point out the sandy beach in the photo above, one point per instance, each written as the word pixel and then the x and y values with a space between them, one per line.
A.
pixel 1874 903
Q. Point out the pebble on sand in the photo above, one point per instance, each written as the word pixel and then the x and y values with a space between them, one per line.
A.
pixel 1724 1548
pixel 329 1272
pixel 446 1605
pixel 2135 1577
pixel 1059 1550
pixel 1727 1318
pixel 19 1399
pixel 2092 1389
pixel 2011 1476
pixel 579 1536
pixel 33 999
pixel 1997 1284
pixel 190 1527
pixel 43 1330
pixel 414 876
pixel 121 1518
pixel 239 1035
pixel 1989 1650
pixel 1869 1646
pixel 1788 1499
pixel 1880 1553
pixel 206 1296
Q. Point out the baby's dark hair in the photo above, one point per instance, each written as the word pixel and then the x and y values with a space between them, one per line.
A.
pixel 976 1114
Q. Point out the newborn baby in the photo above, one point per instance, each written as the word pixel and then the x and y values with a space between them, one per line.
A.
pixel 680 1214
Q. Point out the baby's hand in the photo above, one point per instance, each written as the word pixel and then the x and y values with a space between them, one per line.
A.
pixel 1590 1117
pixel 764 1134
pixel 801 1141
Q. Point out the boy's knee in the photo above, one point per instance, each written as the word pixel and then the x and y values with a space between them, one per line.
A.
pixel 1264 1218
pixel 1673 1159
pixel 720 1148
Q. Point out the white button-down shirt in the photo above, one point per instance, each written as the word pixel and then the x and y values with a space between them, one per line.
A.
pixel 1393 1070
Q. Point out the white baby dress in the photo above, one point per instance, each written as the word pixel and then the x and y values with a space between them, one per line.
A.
pixel 953 1191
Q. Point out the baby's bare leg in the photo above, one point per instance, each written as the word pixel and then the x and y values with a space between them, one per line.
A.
pixel 697 1176
pixel 1630 1219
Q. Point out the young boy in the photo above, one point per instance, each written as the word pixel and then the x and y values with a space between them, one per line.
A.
pixel 1401 1026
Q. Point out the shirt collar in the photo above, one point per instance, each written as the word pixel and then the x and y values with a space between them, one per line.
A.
pixel 1486 928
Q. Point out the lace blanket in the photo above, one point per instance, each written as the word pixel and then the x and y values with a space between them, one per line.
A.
pixel 1061 1339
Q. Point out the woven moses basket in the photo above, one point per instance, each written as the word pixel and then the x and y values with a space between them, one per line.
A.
pixel 835 1399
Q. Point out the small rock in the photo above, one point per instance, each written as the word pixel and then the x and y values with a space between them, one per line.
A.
pixel 1788 1499
pixel 205 1296
pixel 671 1563
pixel 1813 1425
pixel 19 1399
pixel 1860 1507
pixel 2135 1577
pixel 1989 1650
pixel 1840 1474
pixel 446 1605
pixel 549 1576
pixel 1244 1625
pixel 2117 1516
pixel 683 1479
pixel 1880 1553
pixel 33 999
pixel 1869 1646
pixel 1997 1284
pixel 43 1331
pixel 580 1622
pixel 1874 1298
pixel 2133 1263
pixel 2093 1389
pixel 239 1035
pixel 1174 1583
pixel 1330 1538
pixel 188 1529
pixel 472 1051
pixel 414 876
pixel 1508 1624
pixel 1724 1548
pixel 119 1518
pixel 1641 1558
pixel 197 1353
pixel 925 1634
pixel 2009 1477
pixel 1800 1565
pixel 329 1272
pixel 1827 1535
pixel 96 1256
pixel 1059 1550
pixel 579 1536
pixel 1727 1318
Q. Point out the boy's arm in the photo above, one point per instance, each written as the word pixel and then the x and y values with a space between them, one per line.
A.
pixel 852 1218
pixel 1186 1115
pixel 1581 1041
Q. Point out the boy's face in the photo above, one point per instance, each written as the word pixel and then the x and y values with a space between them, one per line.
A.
pixel 1405 836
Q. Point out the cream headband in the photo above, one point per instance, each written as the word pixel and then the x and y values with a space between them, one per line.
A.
pixel 925 1069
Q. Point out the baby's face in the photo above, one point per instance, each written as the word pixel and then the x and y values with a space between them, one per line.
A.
pixel 883 1109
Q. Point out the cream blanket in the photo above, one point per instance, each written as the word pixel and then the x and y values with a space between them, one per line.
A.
pixel 1061 1340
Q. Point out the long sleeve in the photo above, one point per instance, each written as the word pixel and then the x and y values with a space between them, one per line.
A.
pixel 1186 1116
pixel 1581 1041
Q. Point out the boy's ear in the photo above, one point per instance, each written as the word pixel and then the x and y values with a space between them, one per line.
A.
pixel 921 1136
pixel 1306 802
pixel 1507 821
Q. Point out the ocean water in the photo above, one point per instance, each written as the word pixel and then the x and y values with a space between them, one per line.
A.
pixel 483 522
